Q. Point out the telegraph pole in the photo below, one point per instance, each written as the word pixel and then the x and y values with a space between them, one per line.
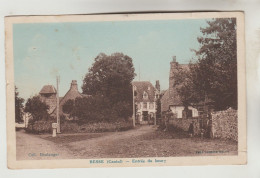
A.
pixel 133 105
pixel 139 72
pixel 58 105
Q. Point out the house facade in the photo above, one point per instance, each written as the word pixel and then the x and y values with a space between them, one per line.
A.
pixel 48 95
pixel 145 97
pixel 171 101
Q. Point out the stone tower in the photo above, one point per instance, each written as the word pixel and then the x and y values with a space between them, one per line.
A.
pixel 48 96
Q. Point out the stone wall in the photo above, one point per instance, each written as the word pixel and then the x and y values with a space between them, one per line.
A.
pixel 224 124
pixel 185 123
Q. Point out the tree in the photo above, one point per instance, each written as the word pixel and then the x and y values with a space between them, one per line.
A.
pixel 90 109
pixel 37 109
pixel 18 107
pixel 111 77
pixel 68 106
pixel 214 75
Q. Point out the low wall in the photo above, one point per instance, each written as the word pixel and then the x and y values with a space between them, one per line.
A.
pixel 185 123
pixel 224 124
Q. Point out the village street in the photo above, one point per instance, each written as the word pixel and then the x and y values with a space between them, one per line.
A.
pixel 30 146
pixel 145 141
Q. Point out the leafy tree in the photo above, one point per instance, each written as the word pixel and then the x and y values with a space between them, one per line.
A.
pixel 68 106
pixel 187 86
pixel 18 107
pixel 37 109
pixel 123 109
pixel 111 77
pixel 214 75
pixel 90 109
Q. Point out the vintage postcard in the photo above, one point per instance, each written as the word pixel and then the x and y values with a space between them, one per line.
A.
pixel 126 90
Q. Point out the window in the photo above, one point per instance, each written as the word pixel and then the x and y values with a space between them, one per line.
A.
pixel 145 95
pixel 151 105
pixel 145 105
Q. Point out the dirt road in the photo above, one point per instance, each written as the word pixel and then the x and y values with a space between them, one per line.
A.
pixel 109 145
pixel 144 141
pixel 33 147
pixel 83 145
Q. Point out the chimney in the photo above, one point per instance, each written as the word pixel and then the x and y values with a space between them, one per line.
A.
pixel 157 85
pixel 173 62
pixel 74 85
pixel 173 58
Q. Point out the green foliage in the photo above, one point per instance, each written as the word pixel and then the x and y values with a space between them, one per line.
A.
pixel 37 109
pixel 188 85
pixel 111 77
pixel 214 76
pixel 40 126
pixel 108 81
pixel 72 127
pixel 90 109
pixel 123 109
pixel 68 106
pixel 18 107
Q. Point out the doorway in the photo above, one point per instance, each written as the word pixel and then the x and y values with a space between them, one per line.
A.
pixel 145 115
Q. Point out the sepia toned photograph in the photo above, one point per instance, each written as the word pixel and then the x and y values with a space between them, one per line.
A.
pixel 154 89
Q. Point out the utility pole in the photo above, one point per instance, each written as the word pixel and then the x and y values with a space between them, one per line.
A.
pixel 133 105
pixel 139 72
pixel 58 105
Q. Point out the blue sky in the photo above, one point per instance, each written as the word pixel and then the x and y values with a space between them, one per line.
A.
pixel 44 50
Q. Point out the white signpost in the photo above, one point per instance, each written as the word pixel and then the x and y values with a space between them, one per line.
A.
pixel 54 129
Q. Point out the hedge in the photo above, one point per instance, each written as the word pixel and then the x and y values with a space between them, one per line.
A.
pixel 40 127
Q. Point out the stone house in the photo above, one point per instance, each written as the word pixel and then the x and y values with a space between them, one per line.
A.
pixel 48 94
pixel 145 97
pixel 171 101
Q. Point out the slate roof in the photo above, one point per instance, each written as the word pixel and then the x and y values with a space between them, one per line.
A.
pixel 142 86
pixel 165 101
pixel 163 92
pixel 48 89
